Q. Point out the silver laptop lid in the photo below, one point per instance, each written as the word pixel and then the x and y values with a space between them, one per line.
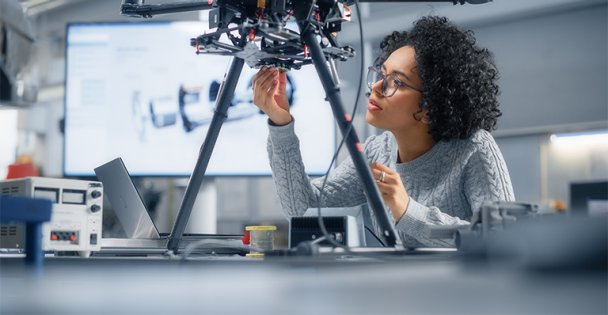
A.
pixel 127 203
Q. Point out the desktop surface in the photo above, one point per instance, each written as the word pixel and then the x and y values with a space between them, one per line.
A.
pixel 416 284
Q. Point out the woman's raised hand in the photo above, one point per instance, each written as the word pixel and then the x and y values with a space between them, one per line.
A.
pixel 269 86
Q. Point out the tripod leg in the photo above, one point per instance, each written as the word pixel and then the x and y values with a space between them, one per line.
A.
pixel 225 95
pixel 352 141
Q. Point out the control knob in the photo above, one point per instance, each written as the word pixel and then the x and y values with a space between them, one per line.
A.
pixel 95 208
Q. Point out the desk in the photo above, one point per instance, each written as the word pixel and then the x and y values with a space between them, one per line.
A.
pixel 235 285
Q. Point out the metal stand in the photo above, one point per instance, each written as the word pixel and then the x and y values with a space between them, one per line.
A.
pixel 355 148
pixel 225 95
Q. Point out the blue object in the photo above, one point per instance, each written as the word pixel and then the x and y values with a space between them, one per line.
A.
pixel 32 212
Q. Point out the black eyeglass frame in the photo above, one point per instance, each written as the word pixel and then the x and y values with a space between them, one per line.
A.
pixel 374 74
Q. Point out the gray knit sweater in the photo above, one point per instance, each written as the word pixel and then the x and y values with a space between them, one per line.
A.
pixel 445 185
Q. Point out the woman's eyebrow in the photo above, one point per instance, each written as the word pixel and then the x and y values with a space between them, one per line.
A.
pixel 398 73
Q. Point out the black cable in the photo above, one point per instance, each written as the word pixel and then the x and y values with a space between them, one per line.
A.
pixel 350 127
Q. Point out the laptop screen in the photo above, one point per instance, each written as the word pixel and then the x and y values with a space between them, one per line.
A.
pixel 126 201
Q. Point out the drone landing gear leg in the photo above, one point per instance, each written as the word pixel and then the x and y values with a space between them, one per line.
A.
pixel 224 98
pixel 352 141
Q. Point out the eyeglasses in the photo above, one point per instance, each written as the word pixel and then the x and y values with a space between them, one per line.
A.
pixel 390 83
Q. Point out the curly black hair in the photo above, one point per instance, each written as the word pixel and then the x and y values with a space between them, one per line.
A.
pixel 458 78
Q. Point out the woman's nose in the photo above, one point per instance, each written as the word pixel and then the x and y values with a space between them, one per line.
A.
pixel 377 87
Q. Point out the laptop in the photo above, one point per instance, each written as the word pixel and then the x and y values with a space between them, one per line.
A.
pixel 142 234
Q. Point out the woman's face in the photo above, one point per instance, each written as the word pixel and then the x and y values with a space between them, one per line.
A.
pixel 396 112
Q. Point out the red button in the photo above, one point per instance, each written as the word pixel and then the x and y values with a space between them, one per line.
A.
pixel 72 238
pixel 53 237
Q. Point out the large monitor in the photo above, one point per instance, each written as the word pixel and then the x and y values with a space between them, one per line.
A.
pixel 138 91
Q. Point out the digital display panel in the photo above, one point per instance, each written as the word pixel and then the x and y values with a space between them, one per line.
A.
pixel 73 196
pixel 51 194
pixel 140 92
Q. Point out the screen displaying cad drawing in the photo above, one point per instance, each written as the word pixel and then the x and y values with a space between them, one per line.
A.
pixel 138 91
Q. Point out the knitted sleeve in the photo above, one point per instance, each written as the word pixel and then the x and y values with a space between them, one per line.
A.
pixel 485 178
pixel 295 189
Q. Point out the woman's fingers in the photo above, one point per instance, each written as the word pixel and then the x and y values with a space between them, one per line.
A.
pixel 266 75
pixel 382 167
pixel 265 82
pixel 264 86
pixel 267 85
pixel 378 169
pixel 268 96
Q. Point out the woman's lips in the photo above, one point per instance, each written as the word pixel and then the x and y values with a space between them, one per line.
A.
pixel 371 106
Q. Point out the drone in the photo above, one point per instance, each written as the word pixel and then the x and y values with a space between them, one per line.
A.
pixel 256 30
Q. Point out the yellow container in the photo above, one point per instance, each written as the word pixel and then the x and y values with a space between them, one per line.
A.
pixel 262 237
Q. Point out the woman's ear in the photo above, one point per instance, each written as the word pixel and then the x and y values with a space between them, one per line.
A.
pixel 422 115
pixel 425 117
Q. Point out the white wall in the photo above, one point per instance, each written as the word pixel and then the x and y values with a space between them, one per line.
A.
pixel 574 160
pixel 8 141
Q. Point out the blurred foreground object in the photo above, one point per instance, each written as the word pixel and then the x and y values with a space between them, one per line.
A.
pixel 32 212
pixel 539 242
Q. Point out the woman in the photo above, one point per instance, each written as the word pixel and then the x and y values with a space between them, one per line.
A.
pixel 435 93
